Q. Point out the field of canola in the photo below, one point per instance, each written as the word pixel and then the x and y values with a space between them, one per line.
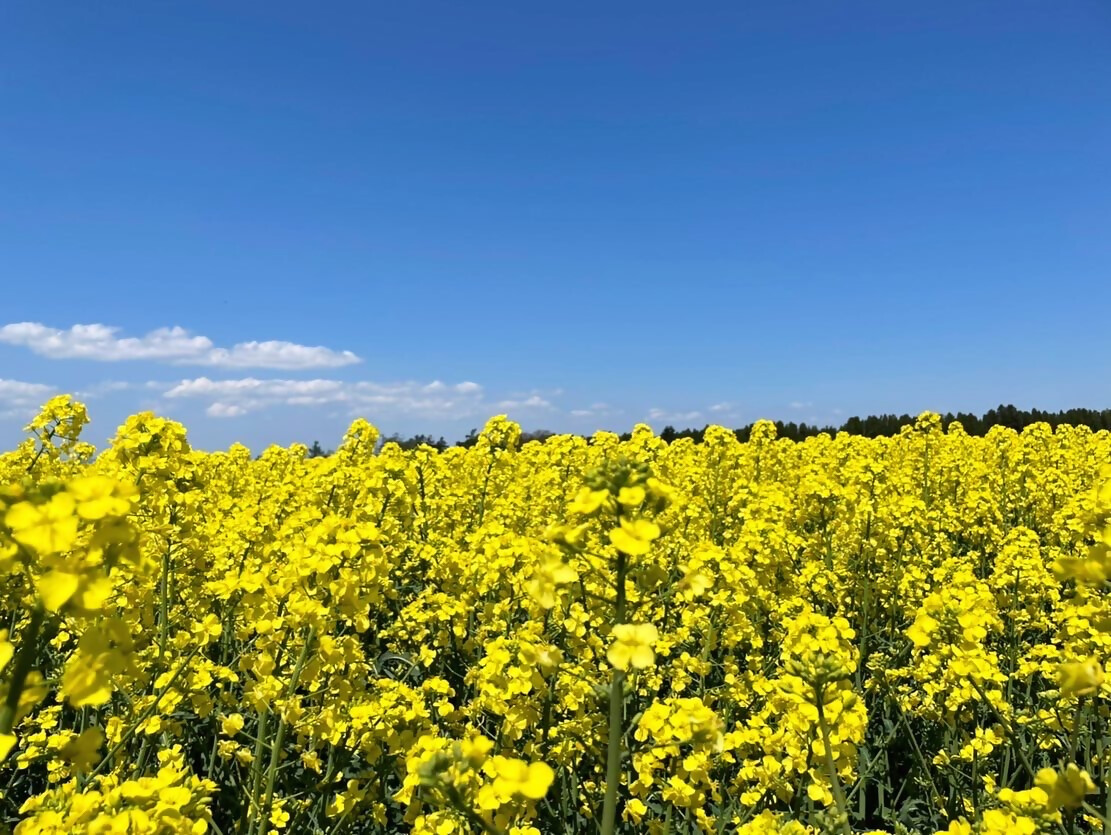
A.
pixel 576 636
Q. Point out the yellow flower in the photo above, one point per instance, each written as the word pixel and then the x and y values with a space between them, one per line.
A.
pixel 549 575
pixel 98 497
pixel 819 793
pixel 87 679
pixel 56 588
pixel 588 501
pixel 6 649
pixel 1067 788
pixel 84 750
pixel 634 537
pixel 50 528
pixel 1080 678
pixel 473 750
pixel 696 582
pixel 514 777
pixel 7 743
pixel 999 822
pixel 631 496
pixel 635 810
pixel 232 724
pixel 632 646
pixel 311 760
pixel 664 493
pixel 922 629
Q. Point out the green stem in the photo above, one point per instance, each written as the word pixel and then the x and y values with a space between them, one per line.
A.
pixel 48 440
pixel 256 768
pixel 324 784
pixel 613 754
pixel 617 715
pixel 1101 750
pixel 1007 727
pixel 21 670
pixel 1074 737
pixel 279 739
pixel 831 766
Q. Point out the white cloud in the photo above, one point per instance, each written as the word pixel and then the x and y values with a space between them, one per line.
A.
pixel 174 345
pixel 595 410
pixel 276 354
pixel 800 404
pixel 20 400
pixel 724 412
pixel 102 389
pixel 534 401
pixel 16 393
pixel 664 416
pixel 234 398
pixel 225 410
pixel 531 399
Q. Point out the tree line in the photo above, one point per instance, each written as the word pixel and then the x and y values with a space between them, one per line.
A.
pixel 887 425
pixel 872 426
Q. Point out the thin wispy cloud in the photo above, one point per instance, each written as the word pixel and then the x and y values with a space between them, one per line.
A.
pixel 665 416
pixel 19 399
pixel 106 388
pixel 534 401
pixel 725 412
pixel 174 345
pixel 595 410
pixel 18 393
pixel 238 397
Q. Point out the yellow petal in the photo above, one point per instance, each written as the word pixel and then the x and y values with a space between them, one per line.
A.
pixel 627 544
pixel 642 657
pixel 619 655
pixel 56 588
pixel 7 743
pixel 631 496
pixel 538 781
pixel 22 515
pixel 6 651
pixel 95 593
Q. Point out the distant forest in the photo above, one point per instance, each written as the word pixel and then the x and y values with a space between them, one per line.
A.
pixel 873 426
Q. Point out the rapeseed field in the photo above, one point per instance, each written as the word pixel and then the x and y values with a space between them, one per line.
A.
pixel 899 634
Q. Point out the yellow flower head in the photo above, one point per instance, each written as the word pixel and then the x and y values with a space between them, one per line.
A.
pixel 1066 789
pixel 50 528
pixel 631 496
pixel 98 497
pixel 84 750
pixel 517 778
pixel 634 537
pixel 548 576
pixel 588 501
pixel 7 650
pixel 1080 678
pixel 632 646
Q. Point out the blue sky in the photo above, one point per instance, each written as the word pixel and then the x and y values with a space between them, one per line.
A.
pixel 583 214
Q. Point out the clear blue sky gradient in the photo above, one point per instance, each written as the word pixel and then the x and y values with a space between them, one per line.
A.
pixel 802 210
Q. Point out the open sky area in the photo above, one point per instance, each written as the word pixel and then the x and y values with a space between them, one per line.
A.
pixel 265 219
